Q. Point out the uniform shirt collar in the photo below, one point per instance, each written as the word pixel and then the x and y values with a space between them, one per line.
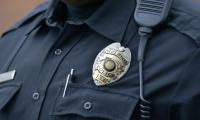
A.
pixel 110 19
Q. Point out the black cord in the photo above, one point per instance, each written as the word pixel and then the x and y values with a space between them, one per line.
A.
pixel 145 105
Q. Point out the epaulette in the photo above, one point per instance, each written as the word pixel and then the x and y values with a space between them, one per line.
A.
pixel 185 18
pixel 35 12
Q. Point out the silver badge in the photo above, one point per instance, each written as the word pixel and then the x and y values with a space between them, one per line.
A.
pixel 111 64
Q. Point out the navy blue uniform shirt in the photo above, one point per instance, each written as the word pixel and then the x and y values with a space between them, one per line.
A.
pixel 43 48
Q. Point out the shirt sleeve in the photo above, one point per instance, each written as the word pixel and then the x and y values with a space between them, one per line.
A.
pixel 186 99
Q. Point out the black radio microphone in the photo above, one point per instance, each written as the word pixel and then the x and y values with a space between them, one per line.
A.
pixel 148 15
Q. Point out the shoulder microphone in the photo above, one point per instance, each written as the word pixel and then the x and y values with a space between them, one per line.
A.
pixel 148 15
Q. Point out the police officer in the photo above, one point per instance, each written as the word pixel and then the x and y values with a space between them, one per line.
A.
pixel 77 60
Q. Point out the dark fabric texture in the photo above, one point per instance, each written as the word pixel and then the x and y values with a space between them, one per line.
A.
pixel 43 48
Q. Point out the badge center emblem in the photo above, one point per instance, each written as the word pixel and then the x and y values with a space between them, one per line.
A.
pixel 109 65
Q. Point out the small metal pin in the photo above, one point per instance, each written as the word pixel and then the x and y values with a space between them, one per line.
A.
pixel 69 77
pixel 4 77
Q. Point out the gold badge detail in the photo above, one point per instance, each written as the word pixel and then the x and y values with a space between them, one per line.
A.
pixel 111 64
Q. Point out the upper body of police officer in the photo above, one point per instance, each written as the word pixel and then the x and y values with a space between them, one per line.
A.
pixel 38 53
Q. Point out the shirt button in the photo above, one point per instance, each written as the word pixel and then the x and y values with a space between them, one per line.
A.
pixel 58 52
pixel 36 96
pixel 87 105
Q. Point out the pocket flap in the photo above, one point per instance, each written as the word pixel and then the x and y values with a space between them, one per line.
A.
pixel 93 103
pixel 6 93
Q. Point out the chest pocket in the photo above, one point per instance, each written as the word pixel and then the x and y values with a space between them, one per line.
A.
pixel 7 92
pixel 87 103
